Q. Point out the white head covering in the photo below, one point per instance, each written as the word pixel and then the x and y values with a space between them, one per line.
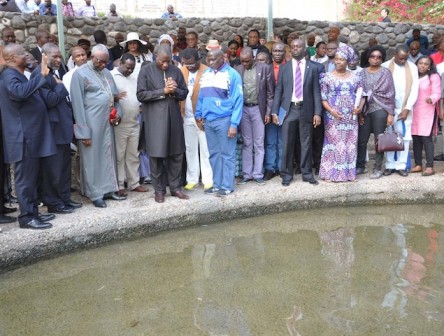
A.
pixel 132 37
pixel 166 37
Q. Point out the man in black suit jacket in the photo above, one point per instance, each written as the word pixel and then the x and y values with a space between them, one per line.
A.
pixel 56 172
pixel 42 37
pixel 301 113
pixel 27 135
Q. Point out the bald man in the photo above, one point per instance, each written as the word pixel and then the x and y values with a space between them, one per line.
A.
pixel 8 36
pixel 28 137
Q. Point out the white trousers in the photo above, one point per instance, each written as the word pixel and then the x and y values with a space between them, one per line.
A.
pixel 398 160
pixel 196 142
pixel 127 155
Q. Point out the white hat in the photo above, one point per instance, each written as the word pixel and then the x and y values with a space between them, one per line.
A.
pixel 213 45
pixel 132 37
pixel 166 37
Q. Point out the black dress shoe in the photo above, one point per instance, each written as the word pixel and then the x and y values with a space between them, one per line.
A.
pixel 403 172
pixel 100 203
pixel 36 224
pixel 7 210
pixel 114 196
pixel 285 183
pixel 74 204
pixel 388 172
pixel 439 157
pixel 45 217
pixel 311 181
pixel 61 209
pixel 268 175
pixel 6 219
pixel 159 197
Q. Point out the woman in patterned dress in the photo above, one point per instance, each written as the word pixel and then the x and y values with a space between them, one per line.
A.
pixel 339 89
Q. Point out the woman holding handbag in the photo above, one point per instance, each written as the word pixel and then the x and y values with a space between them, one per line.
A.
pixel 380 91
pixel 425 121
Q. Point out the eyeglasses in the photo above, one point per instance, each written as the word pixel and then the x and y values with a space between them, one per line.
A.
pixel 376 56
pixel 100 61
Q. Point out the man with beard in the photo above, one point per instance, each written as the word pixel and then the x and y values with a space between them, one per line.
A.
pixel 160 88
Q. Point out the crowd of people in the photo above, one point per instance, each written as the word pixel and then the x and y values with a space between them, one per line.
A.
pixel 177 115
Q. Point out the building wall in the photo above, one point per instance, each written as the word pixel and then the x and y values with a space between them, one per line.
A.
pixel 328 10
pixel 389 35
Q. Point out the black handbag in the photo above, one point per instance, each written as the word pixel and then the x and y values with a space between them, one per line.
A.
pixel 389 141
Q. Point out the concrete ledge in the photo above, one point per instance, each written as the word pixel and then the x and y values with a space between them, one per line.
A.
pixel 140 216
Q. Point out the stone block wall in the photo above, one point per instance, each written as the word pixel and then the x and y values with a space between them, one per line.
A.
pixel 388 35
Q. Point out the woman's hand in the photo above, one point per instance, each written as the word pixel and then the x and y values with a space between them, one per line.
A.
pixel 390 120
pixel 335 113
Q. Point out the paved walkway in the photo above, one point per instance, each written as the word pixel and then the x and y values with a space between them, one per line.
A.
pixel 141 215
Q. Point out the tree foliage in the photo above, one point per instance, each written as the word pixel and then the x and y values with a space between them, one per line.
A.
pixel 417 11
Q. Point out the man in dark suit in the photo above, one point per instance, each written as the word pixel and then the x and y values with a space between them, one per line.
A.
pixel 27 135
pixel 258 88
pixel 253 42
pixel 42 37
pixel 298 94
pixel 56 170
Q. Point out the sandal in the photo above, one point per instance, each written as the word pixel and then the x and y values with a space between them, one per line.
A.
pixel 428 172
pixel 417 169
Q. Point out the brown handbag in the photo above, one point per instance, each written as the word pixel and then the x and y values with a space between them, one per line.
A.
pixel 389 141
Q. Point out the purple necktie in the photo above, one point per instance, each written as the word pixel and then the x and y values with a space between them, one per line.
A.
pixel 298 81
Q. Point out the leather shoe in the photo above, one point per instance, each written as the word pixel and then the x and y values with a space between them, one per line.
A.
pixel 6 219
pixel 7 210
pixel 74 204
pixel 388 172
pixel 61 209
pixel 122 193
pixel 100 203
pixel 45 217
pixel 285 183
pixel 35 224
pixel 268 175
pixel 159 197
pixel 141 189
pixel 403 172
pixel 180 194
pixel 114 196
pixel 311 181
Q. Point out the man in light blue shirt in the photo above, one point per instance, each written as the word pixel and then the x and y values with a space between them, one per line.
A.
pixel 47 8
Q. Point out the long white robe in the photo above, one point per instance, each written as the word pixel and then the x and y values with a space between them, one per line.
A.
pixel 90 103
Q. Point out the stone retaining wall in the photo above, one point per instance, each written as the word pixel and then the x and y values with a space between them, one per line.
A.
pixel 388 34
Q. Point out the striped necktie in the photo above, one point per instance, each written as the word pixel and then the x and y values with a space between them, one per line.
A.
pixel 298 81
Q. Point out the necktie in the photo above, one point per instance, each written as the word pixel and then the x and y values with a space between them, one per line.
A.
pixel 298 81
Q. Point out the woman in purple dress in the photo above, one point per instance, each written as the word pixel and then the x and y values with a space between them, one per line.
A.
pixel 339 90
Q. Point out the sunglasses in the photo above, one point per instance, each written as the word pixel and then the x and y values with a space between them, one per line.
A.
pixel 376 56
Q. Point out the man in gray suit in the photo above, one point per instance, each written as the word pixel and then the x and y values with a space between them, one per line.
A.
pixel 297 104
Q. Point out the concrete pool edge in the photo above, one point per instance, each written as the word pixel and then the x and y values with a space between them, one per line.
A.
pixel 139 216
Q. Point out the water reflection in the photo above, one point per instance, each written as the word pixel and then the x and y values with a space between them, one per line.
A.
pixel 353 271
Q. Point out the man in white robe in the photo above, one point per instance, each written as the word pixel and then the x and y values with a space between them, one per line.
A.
pixel 405 77
pixel 93 95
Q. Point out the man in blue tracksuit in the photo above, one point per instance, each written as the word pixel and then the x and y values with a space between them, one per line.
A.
pixel 219 112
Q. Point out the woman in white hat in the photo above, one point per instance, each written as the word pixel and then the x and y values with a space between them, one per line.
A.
pixel 133 45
